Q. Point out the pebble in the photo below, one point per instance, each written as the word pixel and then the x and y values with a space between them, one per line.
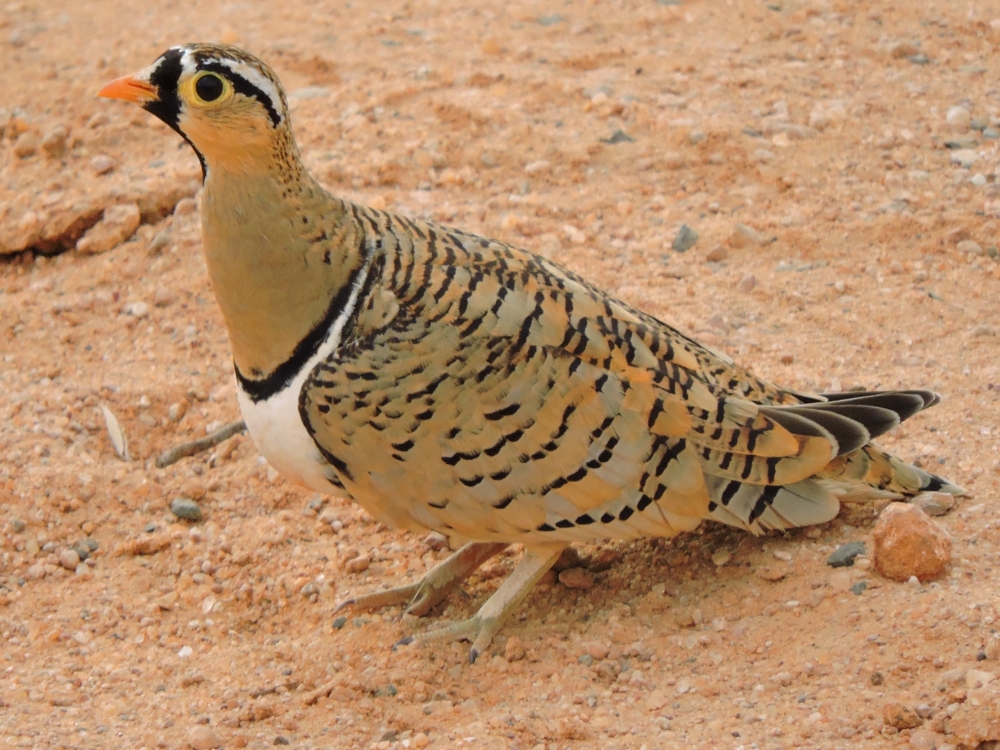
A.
pixel 69 559
pixel 596 650
pixel 899 716
pixel 908 543
pixel 934 503
pixel 657 700
pixel 54 142
pixel 203 737
pixel 721 556
pixel 513 650
pixel 991 134
pixel 576 578
pixel 118 224
pixel 685 239
pixel 859 588
pixel 747 283
pixel 969 246
pixel 717 254
pixel 358 565
pixel 533 167
pixel 744 235
pixel 26 144
pixel 924 739
pixel 964 157
pixel 102 164
pixel 843 556
pixel 163 297
pixel 185 507
pixel 769 573
pixel 959 119
pixel 421 740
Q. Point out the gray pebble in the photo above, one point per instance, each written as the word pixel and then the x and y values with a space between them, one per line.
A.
pixel 843 556
pixel 90 543
pixel 978 123
pixel 685 239
pixel 586 660
pixel 920 59
pixel 859 587
pixel 185 507
pixel 991 134
pixel 149 528
pixel 696 137
pixel 339 622
pixel 551 20
pixel 619 136
pixel 17 525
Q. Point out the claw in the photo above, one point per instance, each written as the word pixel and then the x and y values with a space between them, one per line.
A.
pixel 481 627
pixel 434 587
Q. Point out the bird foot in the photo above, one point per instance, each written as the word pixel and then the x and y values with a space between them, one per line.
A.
pixel 422 595
pixel 481 627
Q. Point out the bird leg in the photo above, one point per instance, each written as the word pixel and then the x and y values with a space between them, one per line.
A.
pixel 481 627
pixel 423 594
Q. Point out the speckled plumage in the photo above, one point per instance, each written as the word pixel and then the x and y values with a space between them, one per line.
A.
pixel 453 383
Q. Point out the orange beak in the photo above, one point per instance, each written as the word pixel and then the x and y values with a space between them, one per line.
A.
pixel 130 89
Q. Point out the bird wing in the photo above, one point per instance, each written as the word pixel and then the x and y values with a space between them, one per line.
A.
pixel 506 395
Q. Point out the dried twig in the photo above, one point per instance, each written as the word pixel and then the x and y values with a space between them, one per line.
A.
pixel 184 450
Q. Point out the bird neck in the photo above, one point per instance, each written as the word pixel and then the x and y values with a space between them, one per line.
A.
pixel 280 252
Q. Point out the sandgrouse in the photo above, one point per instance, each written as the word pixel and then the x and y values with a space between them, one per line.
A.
pixel 449 382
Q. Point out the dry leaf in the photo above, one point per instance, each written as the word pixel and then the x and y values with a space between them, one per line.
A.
pixel 116 433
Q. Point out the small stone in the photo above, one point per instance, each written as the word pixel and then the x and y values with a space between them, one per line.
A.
pixel 786 359
pixel 185 507
pixel 118 224
pixel 586 660
pixel 54 142
pixel 17 525
pixel 576 578
pixel 991 134
pixel 746 236
pixel 35 572
pixel 747 283
pixel 534 167
pixel 685 239
pixel 683 686
pixel 596 650
pixel 619 136
pixel 924 739
pixel 721 556
pixel 843 556
pixel 959 119
pixel 176 411
pixel 339 622
pixel 899 716
pixel 102 164
pixel 904 51
pixel 859 588
pixel 771 573
pixel 969 246
pixel 976 678
pixel 137 309
pixel 964 157
pixel 163 297
pixel 513 650
pixel 934 503
pixel 69 559
pixel 717 254
pixel 908 543
pixel 203 737
pixel 420 740
pixel 358 565
pixel 26 144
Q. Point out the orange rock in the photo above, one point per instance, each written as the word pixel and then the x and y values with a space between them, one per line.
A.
pixel 899 716
pixel 908 543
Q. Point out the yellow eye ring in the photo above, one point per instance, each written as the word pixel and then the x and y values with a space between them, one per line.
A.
pixel 210 88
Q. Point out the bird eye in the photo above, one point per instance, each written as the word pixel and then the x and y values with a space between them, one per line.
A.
pixel 209 87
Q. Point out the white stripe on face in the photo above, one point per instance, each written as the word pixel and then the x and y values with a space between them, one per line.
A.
pixel 259 80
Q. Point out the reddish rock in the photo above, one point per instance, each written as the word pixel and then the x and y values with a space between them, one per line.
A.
pixel 908 543
pixel 899 716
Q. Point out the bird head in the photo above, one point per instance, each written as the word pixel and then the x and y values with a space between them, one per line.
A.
pixel 225 102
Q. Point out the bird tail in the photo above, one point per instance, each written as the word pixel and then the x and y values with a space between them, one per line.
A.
pixel 859 472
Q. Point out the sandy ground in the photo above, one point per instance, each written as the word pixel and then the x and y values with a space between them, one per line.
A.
pixel 827 128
